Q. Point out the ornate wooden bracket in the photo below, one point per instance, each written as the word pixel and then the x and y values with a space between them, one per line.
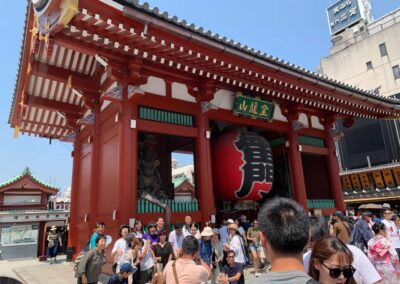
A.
pixel 348 122
pixel 290 112
pixel 202 93
pixel 327 121
pixel 135 75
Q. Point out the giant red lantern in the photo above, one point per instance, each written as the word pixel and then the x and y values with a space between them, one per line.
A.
pixel 242 166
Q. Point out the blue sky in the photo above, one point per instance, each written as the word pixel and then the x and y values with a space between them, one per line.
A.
pixel 294 30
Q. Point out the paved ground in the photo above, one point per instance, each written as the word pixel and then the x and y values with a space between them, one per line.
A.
pixel 31 271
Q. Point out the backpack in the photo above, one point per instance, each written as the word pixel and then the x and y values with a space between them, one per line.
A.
pixel 79 258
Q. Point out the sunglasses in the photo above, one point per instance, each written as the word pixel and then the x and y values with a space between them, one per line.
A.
pixel 335 272
pixel 231 256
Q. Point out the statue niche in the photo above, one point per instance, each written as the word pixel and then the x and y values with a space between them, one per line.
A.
pixel 148 166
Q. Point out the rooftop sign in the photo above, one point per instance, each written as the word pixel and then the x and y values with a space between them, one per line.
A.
pixel 345 13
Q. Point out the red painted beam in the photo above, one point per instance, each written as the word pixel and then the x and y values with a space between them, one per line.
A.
pixel 79 81
pixel 314 150
pixel 53 105
pixel 227 116
pixel 164 128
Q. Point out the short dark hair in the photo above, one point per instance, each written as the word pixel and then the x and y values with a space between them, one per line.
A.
pixel 377 227
pixel 123 227
pixel 285 225
pixel 99 237
pixel 151 225
pixel 231 251
pixel 178 226
pixel 190 245
pixel 318 228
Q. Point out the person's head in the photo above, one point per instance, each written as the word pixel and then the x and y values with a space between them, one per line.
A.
pixel 100 241
pixel 232 229
pixel 396 220
pixel 319 228
pixel 162 235
pixel 188 220
pixel 125 270
pixel 230 257
pixel 379 229
pixel 152 228
pixel 215 237
pixel 178 228
pixel 123 231
pixel 138 225
pixel 129 239
pixel 255 224
pixel 338 216
pixel 53 229
pixel 387 214
pixel 137 244
pixel 366 216
pixel 207 233
pixel 160 223
pixel 193 228
pixel 284 227
pixel 100 227
pixel 190 246
pixel 330 262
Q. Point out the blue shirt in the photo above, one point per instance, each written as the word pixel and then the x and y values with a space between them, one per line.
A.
pixel 93 240
pixel 205 250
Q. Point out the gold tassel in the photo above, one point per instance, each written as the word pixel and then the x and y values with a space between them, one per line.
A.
pixel 16 132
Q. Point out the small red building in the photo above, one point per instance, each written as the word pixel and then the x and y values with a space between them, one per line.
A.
pixel 25 217
pixel 129 85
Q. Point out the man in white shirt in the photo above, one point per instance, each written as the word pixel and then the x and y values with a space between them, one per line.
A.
pixel 392 232
pixel 365 271
pixel 175 238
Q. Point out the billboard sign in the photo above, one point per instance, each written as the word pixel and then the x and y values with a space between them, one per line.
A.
pixel 343 14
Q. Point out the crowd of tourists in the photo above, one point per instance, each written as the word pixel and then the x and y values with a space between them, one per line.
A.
pixel 284 241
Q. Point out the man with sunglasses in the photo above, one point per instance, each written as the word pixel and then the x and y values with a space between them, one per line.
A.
pixel 284 227
pixel 232 273
pixel 392 231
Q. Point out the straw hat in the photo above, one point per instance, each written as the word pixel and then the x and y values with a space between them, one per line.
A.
pixel 53 228
pixel 233 226
pixel 207 232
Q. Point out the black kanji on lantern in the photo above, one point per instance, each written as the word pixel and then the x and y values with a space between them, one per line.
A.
pixel 257 161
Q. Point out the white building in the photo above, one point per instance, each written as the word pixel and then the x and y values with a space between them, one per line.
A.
pixel 366 54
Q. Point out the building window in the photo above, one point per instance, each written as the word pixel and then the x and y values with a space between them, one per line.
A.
pixel 396 72
pixel 369 65
pixel 382 49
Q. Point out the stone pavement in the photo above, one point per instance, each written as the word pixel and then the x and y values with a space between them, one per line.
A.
pixel 32 271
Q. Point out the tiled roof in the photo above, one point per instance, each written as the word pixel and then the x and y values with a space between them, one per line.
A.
pixel 27 172
pixel 257 54
pixel 178 180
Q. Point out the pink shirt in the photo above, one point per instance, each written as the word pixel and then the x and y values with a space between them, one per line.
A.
pixel 188 272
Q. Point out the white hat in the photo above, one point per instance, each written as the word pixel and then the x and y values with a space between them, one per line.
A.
pixel 230 221
pixel 53 228
pixel 386 206
pixel 207 232
pixel 233 226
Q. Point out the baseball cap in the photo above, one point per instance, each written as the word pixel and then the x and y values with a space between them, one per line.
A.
pixel 230 221
pixel 127 267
